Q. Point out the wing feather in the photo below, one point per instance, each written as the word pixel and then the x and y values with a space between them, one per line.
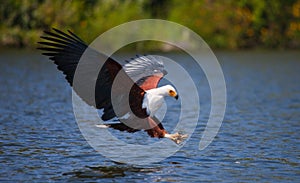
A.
pixel 145 70
pixel 66 51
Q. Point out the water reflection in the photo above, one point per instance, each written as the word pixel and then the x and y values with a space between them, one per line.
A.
pixel 110 171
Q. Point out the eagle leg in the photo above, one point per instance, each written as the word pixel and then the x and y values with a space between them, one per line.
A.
pixel 158 130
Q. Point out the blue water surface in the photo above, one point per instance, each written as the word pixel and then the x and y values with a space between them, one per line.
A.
pixel 258 141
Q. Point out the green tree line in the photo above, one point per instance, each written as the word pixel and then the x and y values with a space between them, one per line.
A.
pixel 230 24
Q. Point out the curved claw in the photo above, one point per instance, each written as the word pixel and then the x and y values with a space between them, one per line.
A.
pixel 176 137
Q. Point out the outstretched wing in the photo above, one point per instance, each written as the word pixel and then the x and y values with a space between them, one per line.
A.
pixel 142 73
pixel 94 87
pixel 145 70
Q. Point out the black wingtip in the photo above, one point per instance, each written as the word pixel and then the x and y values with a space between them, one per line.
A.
pixel 74 35
pixel 56 30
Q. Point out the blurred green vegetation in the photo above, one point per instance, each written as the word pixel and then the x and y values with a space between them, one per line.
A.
pixel 231 24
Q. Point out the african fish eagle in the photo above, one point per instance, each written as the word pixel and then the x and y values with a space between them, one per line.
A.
pixel 142 73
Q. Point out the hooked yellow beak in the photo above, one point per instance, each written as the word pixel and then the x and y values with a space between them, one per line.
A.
pixel 176 97
pixel 173 94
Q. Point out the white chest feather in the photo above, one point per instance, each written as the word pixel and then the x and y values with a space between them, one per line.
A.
pixel 154 98
pixel 152 103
